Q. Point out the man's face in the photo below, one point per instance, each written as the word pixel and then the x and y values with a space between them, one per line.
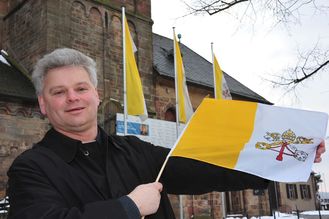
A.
pixel 69 100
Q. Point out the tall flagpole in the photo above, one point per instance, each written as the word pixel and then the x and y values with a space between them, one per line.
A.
pixel 125 107
pixel 215 95
pixel 213 69
pixel 177 115
pixel 176 85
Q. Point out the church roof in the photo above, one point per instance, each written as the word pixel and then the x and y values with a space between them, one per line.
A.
pixel 13 83
pixel 197 69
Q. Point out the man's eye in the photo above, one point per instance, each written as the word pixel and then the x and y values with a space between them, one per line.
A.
pixel 59 92
pixel 81 89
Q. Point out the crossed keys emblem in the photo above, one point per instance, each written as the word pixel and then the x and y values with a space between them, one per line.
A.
pixel 281 143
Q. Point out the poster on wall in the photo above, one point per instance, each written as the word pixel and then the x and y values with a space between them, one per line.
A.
pixel 158 132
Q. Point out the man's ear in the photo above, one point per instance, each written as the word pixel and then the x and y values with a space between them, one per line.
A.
pixel 97 94
pixel 42 105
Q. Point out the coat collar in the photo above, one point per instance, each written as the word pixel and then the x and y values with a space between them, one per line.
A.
pixel 66 147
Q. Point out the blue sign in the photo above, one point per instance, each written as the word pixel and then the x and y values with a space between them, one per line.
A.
pixel 134 128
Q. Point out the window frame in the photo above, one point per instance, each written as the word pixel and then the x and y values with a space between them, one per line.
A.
pixel 305 191
pixel 292 192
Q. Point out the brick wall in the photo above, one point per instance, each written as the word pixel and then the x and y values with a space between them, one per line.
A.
pixel 3 13
pixel 20 127
pixel 256 205
pixel 24 31
pixel 206 206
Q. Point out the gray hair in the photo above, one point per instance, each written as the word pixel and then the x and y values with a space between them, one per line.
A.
pixel 60 58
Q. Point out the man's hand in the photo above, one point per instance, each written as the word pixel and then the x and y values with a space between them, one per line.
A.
pixel 319 151
pixel 147 197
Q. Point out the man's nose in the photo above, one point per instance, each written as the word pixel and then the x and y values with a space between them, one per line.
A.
pixel 72 96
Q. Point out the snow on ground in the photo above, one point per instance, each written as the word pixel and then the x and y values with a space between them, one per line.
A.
pixel 279 215
pixel 315 212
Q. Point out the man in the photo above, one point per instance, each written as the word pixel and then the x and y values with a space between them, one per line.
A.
pixel 78 171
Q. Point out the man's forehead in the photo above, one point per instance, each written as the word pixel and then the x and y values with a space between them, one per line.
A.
pixel 67 72
pixel 63 79
pixel 81 83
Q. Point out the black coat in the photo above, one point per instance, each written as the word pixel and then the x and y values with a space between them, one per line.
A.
pixel 52 180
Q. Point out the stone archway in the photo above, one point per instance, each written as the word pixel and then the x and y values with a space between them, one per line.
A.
pixel 170 114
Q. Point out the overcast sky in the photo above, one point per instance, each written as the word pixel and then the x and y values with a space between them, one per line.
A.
pixel 252 52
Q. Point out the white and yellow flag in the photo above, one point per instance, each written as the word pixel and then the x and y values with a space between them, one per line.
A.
pixel 184 103
pixel 134 91
pixel 271 142
pixel 221 89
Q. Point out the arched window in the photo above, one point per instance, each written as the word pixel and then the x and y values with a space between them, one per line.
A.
pixel 170 114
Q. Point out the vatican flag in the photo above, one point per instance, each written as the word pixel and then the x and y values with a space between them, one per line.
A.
pixel 135 101
pixel 221 89
pixel 182 96
pixel 272 142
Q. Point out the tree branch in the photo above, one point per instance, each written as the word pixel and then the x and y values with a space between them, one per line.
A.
pixel 224 6
pixel 212 7
pixel 308 67
pixel 298 80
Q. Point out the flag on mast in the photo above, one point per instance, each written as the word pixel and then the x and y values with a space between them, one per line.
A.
pixel 135 101
pixel 221 89
pixel 254 138
pixel 184 104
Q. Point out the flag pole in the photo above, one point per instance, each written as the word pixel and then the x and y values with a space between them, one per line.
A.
pixel 213 69
pixel 215 95
pixel 177 116
pixel 125 108
pixel 176 85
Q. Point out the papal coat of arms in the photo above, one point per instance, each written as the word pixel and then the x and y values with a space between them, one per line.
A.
pixel 284 144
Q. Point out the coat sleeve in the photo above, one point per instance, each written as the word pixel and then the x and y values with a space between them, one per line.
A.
pixel 32 196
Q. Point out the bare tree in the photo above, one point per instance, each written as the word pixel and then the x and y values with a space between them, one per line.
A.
pixel 309 63
pixel 282 10
pixel 212 7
